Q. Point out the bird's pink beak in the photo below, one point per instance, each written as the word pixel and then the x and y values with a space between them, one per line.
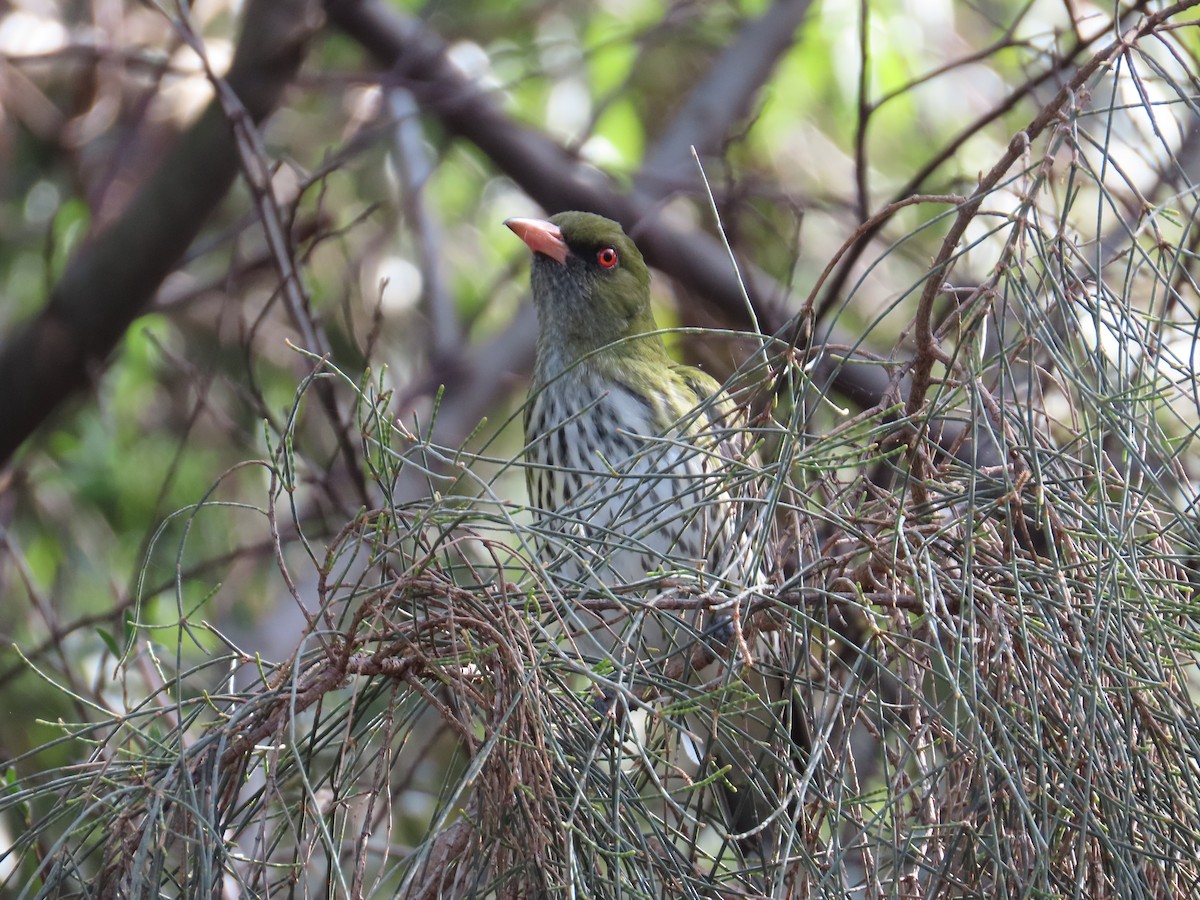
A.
pixel 541 236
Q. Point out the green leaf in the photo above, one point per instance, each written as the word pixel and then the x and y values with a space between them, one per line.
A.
pixel 109 642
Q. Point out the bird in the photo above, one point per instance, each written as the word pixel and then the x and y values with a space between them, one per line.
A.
pixel 638 471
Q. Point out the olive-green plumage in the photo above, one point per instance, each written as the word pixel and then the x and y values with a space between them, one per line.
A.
pixel 626 447
pixel 632 461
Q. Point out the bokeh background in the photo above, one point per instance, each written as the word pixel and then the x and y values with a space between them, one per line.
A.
pixel 255 283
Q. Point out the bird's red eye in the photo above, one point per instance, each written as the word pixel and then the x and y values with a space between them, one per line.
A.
pixel 607 258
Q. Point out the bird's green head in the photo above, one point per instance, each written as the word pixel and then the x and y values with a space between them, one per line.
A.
pixel 591 288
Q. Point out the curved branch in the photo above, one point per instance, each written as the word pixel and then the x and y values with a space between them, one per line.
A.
pixel 833 290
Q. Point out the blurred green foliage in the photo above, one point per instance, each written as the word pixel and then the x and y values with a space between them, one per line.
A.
pixel 141 502
pixel 185 396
